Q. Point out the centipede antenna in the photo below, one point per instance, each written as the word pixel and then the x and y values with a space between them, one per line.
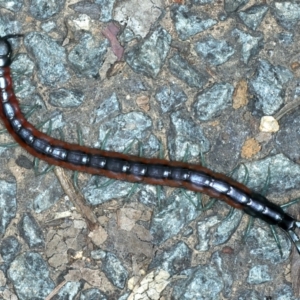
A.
pixel 294 237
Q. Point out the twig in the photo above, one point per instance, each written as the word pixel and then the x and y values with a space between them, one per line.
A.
pixel 56 290
pixel 76 198
pixel 287 108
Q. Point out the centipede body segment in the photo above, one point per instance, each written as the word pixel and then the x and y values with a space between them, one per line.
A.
pixel 131 168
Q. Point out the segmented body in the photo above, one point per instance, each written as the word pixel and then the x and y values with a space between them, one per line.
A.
pixel 127 167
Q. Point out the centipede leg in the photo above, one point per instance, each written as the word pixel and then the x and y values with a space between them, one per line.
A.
pixel 248 228
pixel 36 161
pixel 32 109
pixel 105 184
pixel 135 185
pixel 230 213
pixel 161 155
pixel 75 180
pixel 4 130
pixel 272 228
pixel 80 142
pixel 126 150
pixel 132 191
pixel 9 145
pixel 196 205
pixel 183 191
pixel 251 219
pixel 199 205
pixel 210 204
pixel 103 145
pixel 276 238
pixel 267 183
pixel 186 154
pixel 290 203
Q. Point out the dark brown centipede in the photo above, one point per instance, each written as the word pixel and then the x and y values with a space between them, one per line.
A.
pixel 131 168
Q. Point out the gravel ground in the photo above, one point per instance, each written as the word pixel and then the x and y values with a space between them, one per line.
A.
pixel 185 80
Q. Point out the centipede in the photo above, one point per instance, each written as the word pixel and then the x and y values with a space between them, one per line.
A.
pixel 132 168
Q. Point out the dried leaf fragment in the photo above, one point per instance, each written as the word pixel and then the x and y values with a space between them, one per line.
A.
pixel 295 65
pixel 111 32
pixel 115 68
pixel 127 218
pixel 240 94
pixel 98 236
pixel 250 148
pixel 151 286
pixel 143 102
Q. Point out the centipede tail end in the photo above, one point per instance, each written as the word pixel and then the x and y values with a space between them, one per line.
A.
pixel 290 225
pixel 294 237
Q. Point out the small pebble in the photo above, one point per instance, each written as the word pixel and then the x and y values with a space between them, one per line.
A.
pixel 268 124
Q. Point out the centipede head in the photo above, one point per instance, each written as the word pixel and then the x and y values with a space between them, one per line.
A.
pixel 294 237
pixel 5 49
